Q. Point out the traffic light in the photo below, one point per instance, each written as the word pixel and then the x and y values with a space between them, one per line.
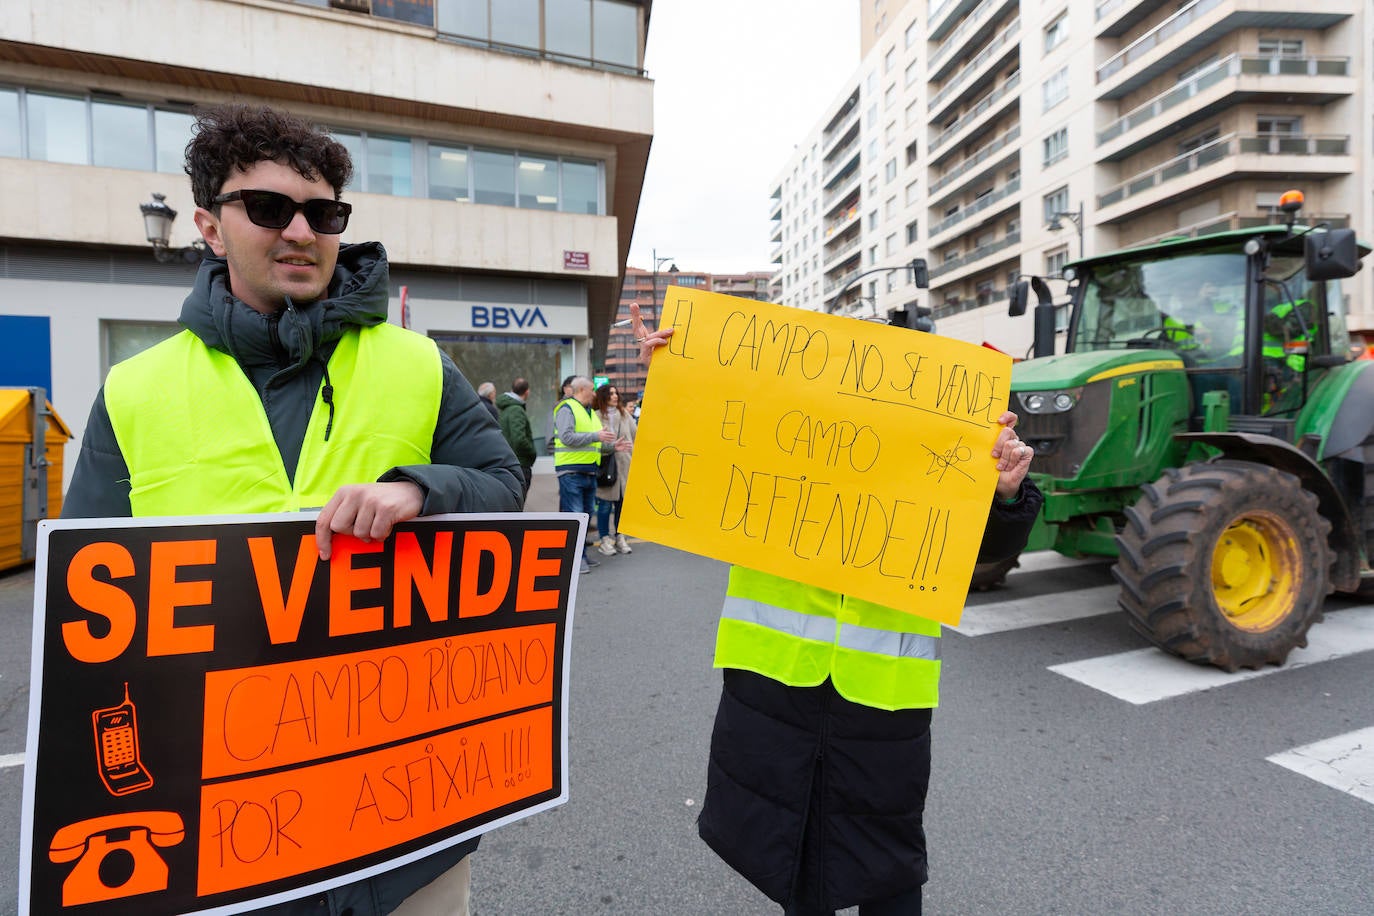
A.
pixel 913 316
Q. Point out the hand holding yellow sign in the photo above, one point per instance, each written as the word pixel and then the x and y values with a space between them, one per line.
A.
pixel 846 454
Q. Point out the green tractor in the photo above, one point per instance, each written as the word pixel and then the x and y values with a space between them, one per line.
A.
pixel 1208 427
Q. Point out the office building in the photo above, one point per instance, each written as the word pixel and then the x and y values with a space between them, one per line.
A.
pixel 499 152
pixel 997 139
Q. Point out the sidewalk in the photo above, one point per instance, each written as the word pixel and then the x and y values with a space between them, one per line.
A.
pixel 544 494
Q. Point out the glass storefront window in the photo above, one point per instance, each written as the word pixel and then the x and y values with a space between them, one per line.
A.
pixel 467 18
pixel 388 166
pixel 448 173
pixel 581 187
pixel 568 28
pixel 9 122
pixel 124 339
pixel 515 22
pixel 493 177
pixel 502 359
pixel 354 144
pixel 171 133
pixel 538 183
pixel 615 33
pixel 119 136
pixel 57 128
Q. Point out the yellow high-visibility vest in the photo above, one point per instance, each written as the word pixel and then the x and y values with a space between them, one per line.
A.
pixel 197 440
pixel 799 635
pixel 585 420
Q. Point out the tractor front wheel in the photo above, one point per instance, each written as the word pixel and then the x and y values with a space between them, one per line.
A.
pixel 1225 563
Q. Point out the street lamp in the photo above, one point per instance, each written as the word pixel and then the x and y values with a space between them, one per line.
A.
pixel 157 225
pixel 1055 225
pixel 653 295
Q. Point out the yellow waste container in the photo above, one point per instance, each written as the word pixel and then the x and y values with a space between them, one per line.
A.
pixel 30 481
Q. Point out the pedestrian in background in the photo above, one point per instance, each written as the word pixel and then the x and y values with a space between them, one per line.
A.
pixel 515 426
pixel 487 392
pixel 820 754
pixel 564 392
pixel 578 440
pixel 609 499
pixel 279 328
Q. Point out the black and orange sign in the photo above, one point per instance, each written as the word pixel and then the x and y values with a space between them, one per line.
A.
pixel 218 717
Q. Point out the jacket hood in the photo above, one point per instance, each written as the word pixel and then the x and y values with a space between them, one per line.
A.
pixel 357 296
pixel 508 399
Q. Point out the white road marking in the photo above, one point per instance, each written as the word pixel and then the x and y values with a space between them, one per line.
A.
pixel 1020 613
pixel 1049 559
pixel 11 760
pixel 1345 762
pixel 1146 675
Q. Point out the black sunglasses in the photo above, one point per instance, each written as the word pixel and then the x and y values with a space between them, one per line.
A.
pixel 271 210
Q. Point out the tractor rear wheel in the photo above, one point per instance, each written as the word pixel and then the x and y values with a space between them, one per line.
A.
pixel 1225 563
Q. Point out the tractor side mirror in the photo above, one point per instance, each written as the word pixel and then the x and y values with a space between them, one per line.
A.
pixel 1017 298
pixel 1331 255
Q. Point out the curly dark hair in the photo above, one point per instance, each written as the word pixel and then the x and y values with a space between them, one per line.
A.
pixel 229 137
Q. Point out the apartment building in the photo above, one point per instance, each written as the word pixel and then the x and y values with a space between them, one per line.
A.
pixel 997 139
pixel 499 152
pixel 648 288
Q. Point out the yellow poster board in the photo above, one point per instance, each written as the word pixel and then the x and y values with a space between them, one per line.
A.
pixel 847 454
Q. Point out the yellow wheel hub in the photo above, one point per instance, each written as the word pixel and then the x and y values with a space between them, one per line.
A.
pixel 1255 570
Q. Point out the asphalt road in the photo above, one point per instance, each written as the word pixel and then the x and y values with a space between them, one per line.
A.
pixel 1048 796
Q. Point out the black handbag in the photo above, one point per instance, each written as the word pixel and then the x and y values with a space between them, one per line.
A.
pixel 606 473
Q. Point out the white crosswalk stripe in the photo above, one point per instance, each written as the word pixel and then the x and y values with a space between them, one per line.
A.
pixel 1148 675
pixel 1019 613
pixel 11 760
pixel 1345 762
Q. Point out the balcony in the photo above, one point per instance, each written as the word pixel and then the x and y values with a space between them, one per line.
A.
pixel 775 205
pixel 846 251
pixel 945 15
pixel 1005 92
pixel 1115 18
pixel 999 46
pixel 844 161
pixel 973 257
pixel 978 206
pixel 835 283
pixel 775 234
pixel 964 34
pixel 848 188
pixel 1310 80
pixel 1197 26
pixel 969 168
pixel 847 117
pixel 1259 155
pixel 842 222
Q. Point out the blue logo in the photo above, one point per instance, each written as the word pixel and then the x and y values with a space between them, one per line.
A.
pixel 500 316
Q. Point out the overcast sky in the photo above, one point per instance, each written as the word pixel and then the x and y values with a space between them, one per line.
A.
pixel 737 84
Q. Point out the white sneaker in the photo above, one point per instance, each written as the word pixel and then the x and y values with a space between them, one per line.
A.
pixel 606 547
pixel 622 545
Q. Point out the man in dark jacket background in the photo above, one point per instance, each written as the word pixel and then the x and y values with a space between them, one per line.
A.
pixel 515 426
pixel 280 297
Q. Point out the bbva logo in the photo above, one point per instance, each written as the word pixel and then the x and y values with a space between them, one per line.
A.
pixel 500 316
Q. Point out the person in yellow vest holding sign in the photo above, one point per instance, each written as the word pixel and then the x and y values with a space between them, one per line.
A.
pixel 820 755
pixel 288 390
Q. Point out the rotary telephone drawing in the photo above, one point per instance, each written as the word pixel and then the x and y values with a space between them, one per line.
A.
pixel 116 742
pixel 114 855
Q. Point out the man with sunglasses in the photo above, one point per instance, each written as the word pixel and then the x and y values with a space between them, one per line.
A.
pixel 340 409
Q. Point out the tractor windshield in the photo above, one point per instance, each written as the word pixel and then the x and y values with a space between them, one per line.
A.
pixel 1192 304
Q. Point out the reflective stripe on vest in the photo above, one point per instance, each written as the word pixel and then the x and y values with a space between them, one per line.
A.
pixel 822 629
pixel 800 635
pixel 197 440
pixel 585 420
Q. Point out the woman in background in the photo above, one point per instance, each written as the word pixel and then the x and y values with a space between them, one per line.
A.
pixel 610 499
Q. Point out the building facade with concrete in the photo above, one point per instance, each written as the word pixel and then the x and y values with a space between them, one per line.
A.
pixel 998 139
pixel 499 152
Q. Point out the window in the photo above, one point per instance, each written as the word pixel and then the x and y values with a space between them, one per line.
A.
pixel 57 128
pixel 1055 261
pixel 493 177
pixel 1281 47
pixel 1056 32
pixel 171 133
pixel 872 220
pixel 912 33
pixel 420 12
pixel 574 31
pixel 890 208
pixel 1188 73
pixel 912 232
pixel 889 59
pixel 515 23
pixel 119 135
pixel 448 173
pixel 615 32
pixel 873 255
pixel 1197 141
pixel 1283 124
pixel 911 152
pixel 873 186
pixel 890 245
pixel 1056 146
pixel 1056 201
pixel 871 153
pixel 911 191
pixel 388 165
pixel 568 28
pixel 1056 88
pixel 9 122
pixel 889 97
pixel 912 113
pixel 538 179
pixel 581 187
pixel 123 339
pixel 890 170
pixel 912 73
pixel 889 133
